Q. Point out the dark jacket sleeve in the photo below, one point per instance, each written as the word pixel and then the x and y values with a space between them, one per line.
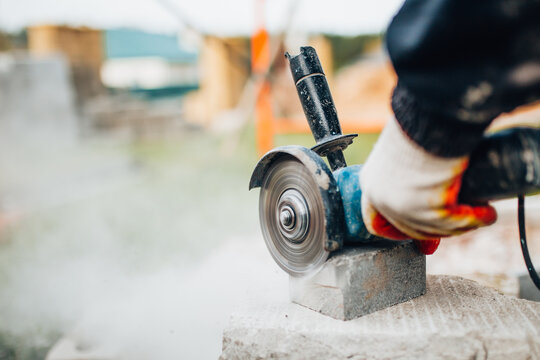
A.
pixel 461 63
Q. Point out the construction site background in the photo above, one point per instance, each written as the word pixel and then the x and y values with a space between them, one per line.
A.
pixel 224 69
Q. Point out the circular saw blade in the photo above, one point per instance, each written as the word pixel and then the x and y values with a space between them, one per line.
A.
pixel 292 217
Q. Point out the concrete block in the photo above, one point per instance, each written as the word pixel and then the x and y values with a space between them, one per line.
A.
pixel 360 280
pixel 455 319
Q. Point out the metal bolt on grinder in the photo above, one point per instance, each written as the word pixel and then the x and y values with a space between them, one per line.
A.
pixel 308 209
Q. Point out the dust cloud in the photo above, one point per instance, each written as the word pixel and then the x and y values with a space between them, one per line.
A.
pixel 147 262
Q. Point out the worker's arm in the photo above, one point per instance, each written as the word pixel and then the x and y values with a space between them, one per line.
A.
pixel 459 64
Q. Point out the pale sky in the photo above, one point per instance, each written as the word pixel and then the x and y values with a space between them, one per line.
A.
pixel 226 17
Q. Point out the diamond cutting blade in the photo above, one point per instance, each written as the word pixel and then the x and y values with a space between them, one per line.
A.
pixel 292 217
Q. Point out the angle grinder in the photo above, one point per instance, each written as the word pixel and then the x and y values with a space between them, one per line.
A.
pixel 308 209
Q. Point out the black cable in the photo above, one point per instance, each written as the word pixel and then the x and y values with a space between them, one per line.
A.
pixel 523 240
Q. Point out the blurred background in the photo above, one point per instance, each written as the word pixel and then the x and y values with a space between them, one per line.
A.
pixel 128 133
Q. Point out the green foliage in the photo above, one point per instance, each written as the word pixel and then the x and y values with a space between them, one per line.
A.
pixel 10 41
pixel 348 49
pixel 19 40
pixel 19 348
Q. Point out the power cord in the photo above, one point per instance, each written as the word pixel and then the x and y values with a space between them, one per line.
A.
pixel 523 240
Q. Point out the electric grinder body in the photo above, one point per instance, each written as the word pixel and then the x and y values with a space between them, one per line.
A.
pixel 309 209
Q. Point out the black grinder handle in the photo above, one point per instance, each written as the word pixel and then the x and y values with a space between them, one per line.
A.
pixel 504 165
pixel 318 105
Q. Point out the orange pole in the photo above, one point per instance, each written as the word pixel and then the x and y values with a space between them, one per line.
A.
pixel 260 62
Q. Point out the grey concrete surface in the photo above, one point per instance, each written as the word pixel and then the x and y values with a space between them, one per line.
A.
pixel 456 319
pixel 360 280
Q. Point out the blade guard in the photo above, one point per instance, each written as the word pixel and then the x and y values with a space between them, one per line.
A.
pixel 328 188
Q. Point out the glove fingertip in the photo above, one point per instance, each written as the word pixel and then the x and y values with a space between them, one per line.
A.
pixel 427 247
pixel 486 214
pixel 478 215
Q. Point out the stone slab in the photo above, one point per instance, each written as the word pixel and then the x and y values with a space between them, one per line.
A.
pixel 455 319
pixel 360 280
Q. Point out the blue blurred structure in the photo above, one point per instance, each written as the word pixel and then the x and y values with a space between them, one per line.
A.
pixel 150 64
pixel 130 43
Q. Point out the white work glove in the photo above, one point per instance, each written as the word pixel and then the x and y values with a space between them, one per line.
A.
pixel 408 193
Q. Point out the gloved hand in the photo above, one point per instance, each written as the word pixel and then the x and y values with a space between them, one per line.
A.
pixel 410 193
